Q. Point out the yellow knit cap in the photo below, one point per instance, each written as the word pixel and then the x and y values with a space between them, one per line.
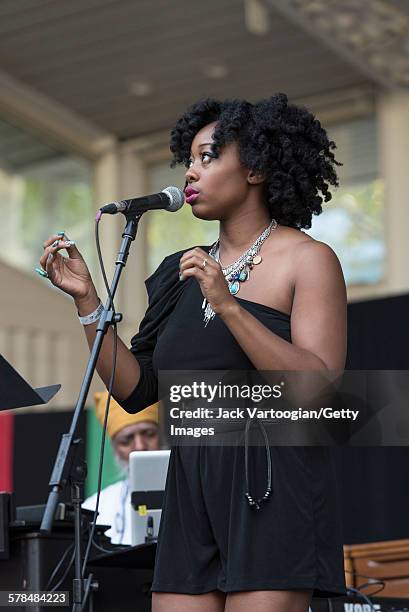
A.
pixel 118 418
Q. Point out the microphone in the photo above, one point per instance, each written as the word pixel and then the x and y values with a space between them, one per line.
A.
pixel 170 199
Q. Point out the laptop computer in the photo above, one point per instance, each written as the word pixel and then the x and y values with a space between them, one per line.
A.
pixel 147 479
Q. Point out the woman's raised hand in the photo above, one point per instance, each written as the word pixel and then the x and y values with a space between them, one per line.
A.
pixel 70 274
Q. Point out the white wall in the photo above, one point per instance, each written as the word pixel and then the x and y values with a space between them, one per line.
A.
pixel 41 336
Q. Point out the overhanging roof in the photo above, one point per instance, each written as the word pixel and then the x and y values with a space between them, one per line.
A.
pixel 87 54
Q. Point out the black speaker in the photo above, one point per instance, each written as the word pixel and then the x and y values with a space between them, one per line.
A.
pixel 6 516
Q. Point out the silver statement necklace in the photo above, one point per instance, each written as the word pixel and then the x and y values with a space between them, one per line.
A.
pixel 239 271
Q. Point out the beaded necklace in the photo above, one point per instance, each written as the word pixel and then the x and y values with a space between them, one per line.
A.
pixel 239 271
pixel 236 273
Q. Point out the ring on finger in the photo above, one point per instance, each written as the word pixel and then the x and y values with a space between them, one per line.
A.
pixel 204 263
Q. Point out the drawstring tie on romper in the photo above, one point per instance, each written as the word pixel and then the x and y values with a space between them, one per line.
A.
pixel 256 504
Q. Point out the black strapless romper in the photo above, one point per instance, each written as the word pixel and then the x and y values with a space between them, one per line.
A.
pixel 209 536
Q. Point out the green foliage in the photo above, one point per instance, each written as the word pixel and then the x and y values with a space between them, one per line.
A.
pixel 353 225
pixel 41 204
pixel 167 234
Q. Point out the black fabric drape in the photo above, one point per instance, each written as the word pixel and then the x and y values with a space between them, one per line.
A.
pixel 375 480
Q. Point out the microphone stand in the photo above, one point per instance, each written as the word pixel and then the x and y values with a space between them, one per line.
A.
pixel 63 466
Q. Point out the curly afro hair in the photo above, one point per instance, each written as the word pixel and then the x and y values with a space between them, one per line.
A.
pixel 284 142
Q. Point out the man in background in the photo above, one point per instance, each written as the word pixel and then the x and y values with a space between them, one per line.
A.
pixel 128 432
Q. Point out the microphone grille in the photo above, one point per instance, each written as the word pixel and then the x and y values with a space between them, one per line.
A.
pixel 176 198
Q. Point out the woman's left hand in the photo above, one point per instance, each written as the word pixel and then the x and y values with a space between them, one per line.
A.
pixel 210 277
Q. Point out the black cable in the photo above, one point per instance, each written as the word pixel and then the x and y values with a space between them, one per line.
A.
pixel 366 584
pixel 357 591
pixel 107 550
pixel 111 384
pixel 364 597
pixel 58 566
pixel 101 455
pixel 101 265
pixel 361 586
pixel 65 574
pixel 91 535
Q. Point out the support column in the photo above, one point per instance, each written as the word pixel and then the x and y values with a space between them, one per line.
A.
pixel 134 183
pixel 121 173
pixel 393 116
pixel 107 189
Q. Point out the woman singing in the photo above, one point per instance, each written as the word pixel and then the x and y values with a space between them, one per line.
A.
pixel 265 296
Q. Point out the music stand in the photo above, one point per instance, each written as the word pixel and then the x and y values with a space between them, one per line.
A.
pixel 15 392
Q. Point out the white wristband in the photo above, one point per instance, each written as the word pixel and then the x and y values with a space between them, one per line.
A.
pixel 94 316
